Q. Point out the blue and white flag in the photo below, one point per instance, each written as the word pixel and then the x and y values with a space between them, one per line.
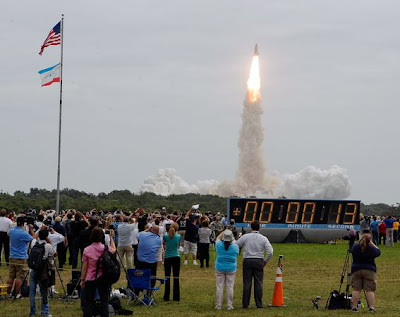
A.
pixel 50 75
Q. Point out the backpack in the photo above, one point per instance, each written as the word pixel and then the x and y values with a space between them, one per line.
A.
pixel 338 301
pixel 110 267
pixel 35 258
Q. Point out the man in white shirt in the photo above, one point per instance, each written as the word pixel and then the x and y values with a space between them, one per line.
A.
pixel 254 245
pixel 5 226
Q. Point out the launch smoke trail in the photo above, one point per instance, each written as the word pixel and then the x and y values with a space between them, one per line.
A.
pixel 251 177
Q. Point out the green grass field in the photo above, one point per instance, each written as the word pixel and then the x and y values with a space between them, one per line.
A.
pixel 310 270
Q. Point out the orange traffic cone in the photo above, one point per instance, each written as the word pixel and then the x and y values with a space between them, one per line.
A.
pixel 277 298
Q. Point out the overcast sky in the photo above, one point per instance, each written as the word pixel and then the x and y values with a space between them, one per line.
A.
pixel 157 84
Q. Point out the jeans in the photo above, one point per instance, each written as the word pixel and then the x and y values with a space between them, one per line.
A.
pixel 375 237
pixel 389 237
pixel 173 263
pixel 253 269
pixel 45 307
pixel 223 279
pixel 90 293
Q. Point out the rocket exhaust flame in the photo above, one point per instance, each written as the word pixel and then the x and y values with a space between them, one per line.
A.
pixel 254 82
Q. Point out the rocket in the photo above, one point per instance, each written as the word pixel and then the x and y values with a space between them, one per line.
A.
pixel 256 50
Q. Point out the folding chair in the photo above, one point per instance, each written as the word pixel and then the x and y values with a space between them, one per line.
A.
pixel 139 280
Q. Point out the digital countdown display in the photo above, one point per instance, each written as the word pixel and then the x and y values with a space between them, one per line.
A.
pixel 294 211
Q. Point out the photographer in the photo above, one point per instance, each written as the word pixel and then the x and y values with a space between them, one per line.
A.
pixel 363 271
pixel 40 277
pixel 190 239
pixel 18 269
pixel 5 227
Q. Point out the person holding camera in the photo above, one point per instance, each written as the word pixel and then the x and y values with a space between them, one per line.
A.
pixel 41 276
pixel 190 238
pixel 225 267
pixel 255 245
pixel 18 269
pixel 5 227
pixel 91 276
pixel 363 271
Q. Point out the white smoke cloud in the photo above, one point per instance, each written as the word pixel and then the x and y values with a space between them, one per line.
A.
pixel 315 183
pixel 309 183
pixel 166 182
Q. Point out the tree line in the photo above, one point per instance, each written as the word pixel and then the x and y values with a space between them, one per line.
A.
pixel 45 199
pixel 38 199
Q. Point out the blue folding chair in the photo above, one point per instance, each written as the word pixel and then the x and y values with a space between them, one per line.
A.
pixel 139 281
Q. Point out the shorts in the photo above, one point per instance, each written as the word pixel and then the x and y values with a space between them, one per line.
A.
pixel 189 247
pixel 18 269
pixel 364 279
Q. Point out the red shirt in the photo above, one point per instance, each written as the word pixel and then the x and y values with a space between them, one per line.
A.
pixel 382 228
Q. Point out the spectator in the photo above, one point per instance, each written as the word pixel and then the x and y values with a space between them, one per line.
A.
pixel 5 227
pixel 216 227
pixel 190 243
pixel 254 261
pixel 389 231
pixel 149 244
pixel 375 229
pixel 135 242
pixel 61 247
pixel 204 243
pixel 363 271
pixel 225 267
pixel 41 278
pixel 364 224
pixel 172 241
pixel 125 249
pixel 115 224
pixel 67 220
pixel 395 230
pixel 78 225
pixel 18 269
pixel 84 235
pixel 382 232
pixel 90 275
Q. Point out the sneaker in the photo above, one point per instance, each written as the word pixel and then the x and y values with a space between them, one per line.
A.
pixel 230 308
pixel 195 263
pixel 372 310
pixel 18 296
pixel 185 263
pixel 218 307
pixel 355 310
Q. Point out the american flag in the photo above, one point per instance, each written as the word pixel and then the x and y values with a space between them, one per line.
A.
pixel 54 38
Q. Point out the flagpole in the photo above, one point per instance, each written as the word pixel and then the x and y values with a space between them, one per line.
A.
pixel 59 123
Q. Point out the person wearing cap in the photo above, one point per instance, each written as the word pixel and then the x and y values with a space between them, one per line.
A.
pixel 19 241
pixel 257 251
pixel 225 267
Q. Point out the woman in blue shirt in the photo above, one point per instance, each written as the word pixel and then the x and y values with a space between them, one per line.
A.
pixel 172 260
pixel 225 267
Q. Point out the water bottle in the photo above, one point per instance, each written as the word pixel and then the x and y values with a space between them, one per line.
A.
pixel 359 304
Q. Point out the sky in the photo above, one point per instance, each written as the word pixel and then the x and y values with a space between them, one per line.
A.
pixel 150 85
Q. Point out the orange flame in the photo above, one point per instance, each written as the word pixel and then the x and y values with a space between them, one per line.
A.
pixel 254 83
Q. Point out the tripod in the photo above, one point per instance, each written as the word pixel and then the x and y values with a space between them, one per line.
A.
pixel 346 272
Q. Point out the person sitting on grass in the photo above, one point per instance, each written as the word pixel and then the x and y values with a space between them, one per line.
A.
pixel 363 271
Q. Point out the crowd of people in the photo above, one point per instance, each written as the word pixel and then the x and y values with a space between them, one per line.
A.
pixel 149 240
pixel 384 230
pixel 140 240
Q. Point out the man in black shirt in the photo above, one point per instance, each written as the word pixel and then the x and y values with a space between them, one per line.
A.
pixel 191 233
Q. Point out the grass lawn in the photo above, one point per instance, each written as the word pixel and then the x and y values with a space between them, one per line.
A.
pixel 310 270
